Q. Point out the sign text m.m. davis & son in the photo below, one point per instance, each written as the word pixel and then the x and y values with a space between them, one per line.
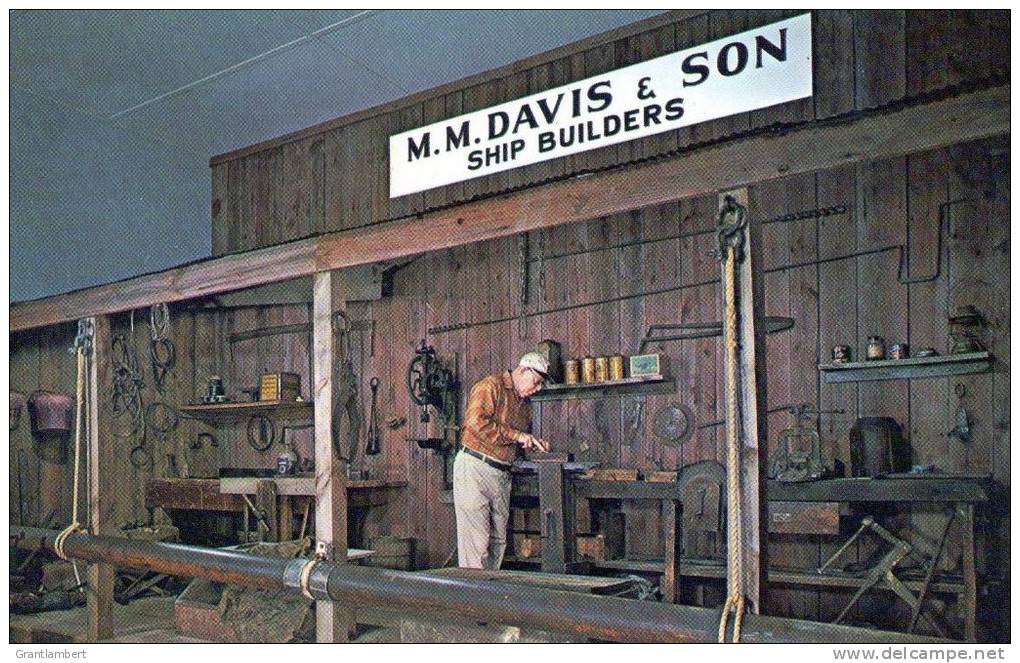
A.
pixel 755 69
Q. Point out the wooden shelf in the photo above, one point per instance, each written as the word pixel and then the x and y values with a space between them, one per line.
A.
pixel 914 367
pixel 237 411
pixel 639 385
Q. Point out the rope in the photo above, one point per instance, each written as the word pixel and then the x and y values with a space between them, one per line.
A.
pixel 306 574
pixel 735 599
pixel 82 345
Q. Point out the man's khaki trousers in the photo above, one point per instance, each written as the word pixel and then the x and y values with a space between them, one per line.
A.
pixel 481 499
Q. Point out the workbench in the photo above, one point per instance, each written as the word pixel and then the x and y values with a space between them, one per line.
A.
pixel 288 494
pixel 963 494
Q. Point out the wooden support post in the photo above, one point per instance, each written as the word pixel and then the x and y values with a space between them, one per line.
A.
pixel 332 621
pixel 286 518
pixel 672 511
pixel 265 502
pixel 968 599
pixel 557 511
pixel 752 408
pixel 102 479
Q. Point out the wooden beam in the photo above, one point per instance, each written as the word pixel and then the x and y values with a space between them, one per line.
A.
pixel 332 620
pixel 870 136
pixel 102 479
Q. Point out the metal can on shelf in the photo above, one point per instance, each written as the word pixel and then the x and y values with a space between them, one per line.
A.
pixel 840 354
pixel 572 371
pixel 876 347
pixel 899 351
pixel 617 370
pixel 601 369
pixel 588 370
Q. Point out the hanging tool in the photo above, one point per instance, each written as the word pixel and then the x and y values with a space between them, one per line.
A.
pixel 429 382
pixel 674 425
pixel 161 349
pixel 261 432
pixel 694 330
pixel 373 421
pixel 345 395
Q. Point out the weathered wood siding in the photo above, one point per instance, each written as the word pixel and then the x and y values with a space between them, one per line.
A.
pixel 338 178
pixel 597 286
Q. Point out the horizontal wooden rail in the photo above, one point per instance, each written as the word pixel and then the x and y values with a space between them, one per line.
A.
pixel 895 132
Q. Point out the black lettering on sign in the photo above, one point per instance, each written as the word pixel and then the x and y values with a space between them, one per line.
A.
pixel 604 98
pixel 675 109
pixel 499 122
pixel 723 62
pixel 550 113
pixel 525 116
pixel 420 150
pixel 777 52
pixel 700 70
pixel 460 139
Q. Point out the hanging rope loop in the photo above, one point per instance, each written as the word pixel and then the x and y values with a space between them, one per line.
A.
pixel 730 234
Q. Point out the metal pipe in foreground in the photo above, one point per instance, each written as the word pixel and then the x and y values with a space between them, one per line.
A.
pixel 597 617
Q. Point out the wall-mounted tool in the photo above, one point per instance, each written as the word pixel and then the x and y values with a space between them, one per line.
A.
pixel 429 382
pixel 962 431
pixel 162 352
pixel 261 432
pixel 799 451
pixel 673 424
pixel 373 420
pixel 695 330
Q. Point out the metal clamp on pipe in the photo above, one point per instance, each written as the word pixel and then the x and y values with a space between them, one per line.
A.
pixel 309 576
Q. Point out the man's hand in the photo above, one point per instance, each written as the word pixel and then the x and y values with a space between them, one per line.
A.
pixel 530 442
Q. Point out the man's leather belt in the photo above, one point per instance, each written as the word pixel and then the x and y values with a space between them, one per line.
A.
pixel 492 462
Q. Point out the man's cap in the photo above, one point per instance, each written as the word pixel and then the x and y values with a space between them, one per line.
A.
pixel 535 362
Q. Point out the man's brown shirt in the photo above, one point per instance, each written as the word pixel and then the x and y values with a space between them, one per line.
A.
pixel 495 415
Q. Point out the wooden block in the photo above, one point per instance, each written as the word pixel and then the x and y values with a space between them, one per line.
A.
pixel 803 518
pixel 613 527
pixel 612 474
pixel 530 547
pixel 660 477
pixel 592 547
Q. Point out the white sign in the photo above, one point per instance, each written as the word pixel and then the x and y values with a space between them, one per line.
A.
pixel 755 69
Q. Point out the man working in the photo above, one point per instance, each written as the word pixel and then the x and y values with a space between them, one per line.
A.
pixel 498 419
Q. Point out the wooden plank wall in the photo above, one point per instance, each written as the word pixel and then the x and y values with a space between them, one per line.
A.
pixel 337 179
pixel 597 286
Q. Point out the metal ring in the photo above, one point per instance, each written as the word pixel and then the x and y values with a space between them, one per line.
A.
pixel 140 457
pixel 161 417
pixel 261 432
